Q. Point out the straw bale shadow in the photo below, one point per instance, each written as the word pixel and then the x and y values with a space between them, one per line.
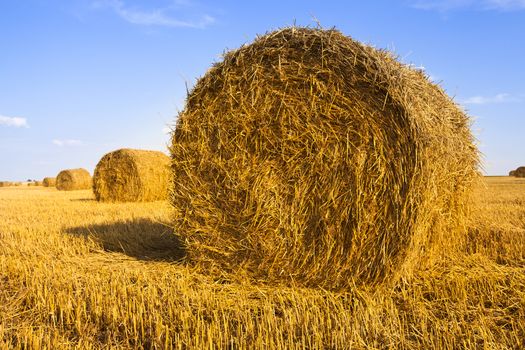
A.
pixel 143 239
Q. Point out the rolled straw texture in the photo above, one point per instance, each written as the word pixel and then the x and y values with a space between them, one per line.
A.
pixel 73 179
pixel 130 175
pixel 309 158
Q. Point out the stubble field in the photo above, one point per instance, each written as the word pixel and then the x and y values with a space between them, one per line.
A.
pixel 75 273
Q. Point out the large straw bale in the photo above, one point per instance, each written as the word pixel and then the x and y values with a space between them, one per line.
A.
pixel 73 179
pixel 49 181
pixel 131 175
pixel 307 157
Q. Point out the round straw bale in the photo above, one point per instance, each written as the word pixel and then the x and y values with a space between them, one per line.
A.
pixel 38 183
pixel 49 181
pixel 520 171
pixel 131 175
pixel 5 184
pixel 309 157
pixel 73 179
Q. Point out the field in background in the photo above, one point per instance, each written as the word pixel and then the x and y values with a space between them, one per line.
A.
pixel 75 273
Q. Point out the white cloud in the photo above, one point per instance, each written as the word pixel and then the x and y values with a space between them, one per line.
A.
pixel 62 143
pixel 155 17
pixel 505 5
pixel 499 98
pixel 448 5
pixel 16 122
pixel 166 130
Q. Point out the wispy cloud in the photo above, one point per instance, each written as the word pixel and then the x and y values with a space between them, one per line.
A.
pixel 62 143
pixel 16 122
pixel 449 5
pixel 505 5
pixel 499 98
pixel 167 16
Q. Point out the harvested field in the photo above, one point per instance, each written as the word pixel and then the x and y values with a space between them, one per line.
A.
pixel 105 275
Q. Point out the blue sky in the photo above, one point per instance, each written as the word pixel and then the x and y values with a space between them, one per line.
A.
pixel 79 78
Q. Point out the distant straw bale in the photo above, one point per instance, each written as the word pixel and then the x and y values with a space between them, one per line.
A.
pixel 130 175
pixel 49 182
pixel 309 158
pixel 520 171
pixel 38 183
pixel 73 179
pixel 5 184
